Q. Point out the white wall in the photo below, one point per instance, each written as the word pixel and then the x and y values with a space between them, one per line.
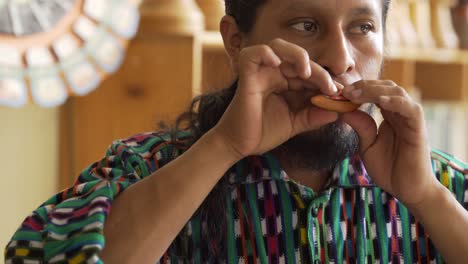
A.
pixel 28 164
pixel 447 126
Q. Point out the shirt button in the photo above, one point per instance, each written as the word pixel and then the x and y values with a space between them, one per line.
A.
pixel 315 211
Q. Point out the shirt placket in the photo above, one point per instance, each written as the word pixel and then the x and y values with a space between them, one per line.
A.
pixel 316 205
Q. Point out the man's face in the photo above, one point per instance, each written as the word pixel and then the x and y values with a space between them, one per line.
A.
pixel 343 36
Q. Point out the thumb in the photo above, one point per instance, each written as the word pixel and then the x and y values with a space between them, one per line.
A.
pixel 365 127
pixel 312 118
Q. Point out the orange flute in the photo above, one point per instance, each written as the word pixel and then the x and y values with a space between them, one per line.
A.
pixel 334 103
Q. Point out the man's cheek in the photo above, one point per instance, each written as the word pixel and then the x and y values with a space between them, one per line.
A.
pixel 370 69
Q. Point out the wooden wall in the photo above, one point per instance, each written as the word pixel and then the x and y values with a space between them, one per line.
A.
pixel 178 53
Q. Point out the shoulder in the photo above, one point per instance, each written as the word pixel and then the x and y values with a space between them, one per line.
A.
pixel 149 144
pixel 138 155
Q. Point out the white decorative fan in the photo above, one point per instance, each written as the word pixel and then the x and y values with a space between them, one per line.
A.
pixel 52 48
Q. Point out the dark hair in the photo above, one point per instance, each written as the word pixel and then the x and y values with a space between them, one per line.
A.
pixel 203 114
pixel 244 12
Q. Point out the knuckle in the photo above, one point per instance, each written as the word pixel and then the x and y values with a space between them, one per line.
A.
pixel 245 52
pixel 359 84
pixel 242 52
pixel 263 48
pixel 400 91
pixel 303 54
pixel 390 83
pixel 275 42
pixel 418 109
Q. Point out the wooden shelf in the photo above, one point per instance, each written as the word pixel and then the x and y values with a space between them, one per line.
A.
pixel 430 55
pixel 212 40
pixel 439 74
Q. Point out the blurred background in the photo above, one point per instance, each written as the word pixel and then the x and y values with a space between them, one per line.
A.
pixel 75 76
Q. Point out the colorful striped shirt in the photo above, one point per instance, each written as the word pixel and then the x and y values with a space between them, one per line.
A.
pixel 270 218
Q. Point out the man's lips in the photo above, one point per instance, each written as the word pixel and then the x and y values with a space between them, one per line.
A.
pixel 338 97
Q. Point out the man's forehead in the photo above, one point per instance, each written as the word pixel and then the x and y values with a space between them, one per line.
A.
pixel 360 6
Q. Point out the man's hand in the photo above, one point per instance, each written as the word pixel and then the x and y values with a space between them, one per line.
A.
pixel 259 117
pixel 397 156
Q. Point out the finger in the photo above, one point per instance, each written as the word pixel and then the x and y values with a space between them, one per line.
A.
pixel 294 55
pixel 405 107
pixel 251 58
pixel 374 82
pixel 317 82
pixel 365 127
pixel 297 84
pixel 296 63
pixel 370 93
pixel 312 118
pixel 322 79
pixel 338 85
pixel 289 71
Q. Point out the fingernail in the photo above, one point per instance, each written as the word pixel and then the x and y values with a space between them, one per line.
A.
pixel 334 89
pixel 308 71
pixel 356 93
pixel 278 61
pixel 339 85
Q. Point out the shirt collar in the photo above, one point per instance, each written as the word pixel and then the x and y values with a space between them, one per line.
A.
pixel 349 173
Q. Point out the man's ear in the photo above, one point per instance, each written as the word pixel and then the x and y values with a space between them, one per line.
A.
pixel 232 38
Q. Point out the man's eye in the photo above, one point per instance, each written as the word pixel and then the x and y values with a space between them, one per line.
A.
pixel 306 26
pixel 362 29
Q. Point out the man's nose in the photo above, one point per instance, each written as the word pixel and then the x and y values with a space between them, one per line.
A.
pixel 337 55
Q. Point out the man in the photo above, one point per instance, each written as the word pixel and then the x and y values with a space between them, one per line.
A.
pixel 274 179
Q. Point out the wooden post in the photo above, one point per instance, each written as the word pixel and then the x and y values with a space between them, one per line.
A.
pixel 459 17
pixel 441 24
pixel 171 16
pixel 213 11
pixel 421 16
pixel 399 21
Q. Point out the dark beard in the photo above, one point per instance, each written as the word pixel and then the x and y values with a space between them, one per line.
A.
pixel 323 148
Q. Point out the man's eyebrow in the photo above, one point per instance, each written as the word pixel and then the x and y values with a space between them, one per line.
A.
pixel 301 6
pixel 364 11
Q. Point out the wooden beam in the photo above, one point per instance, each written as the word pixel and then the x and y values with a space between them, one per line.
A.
pixel 171 17
pixel 442 81
pixel 213 11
